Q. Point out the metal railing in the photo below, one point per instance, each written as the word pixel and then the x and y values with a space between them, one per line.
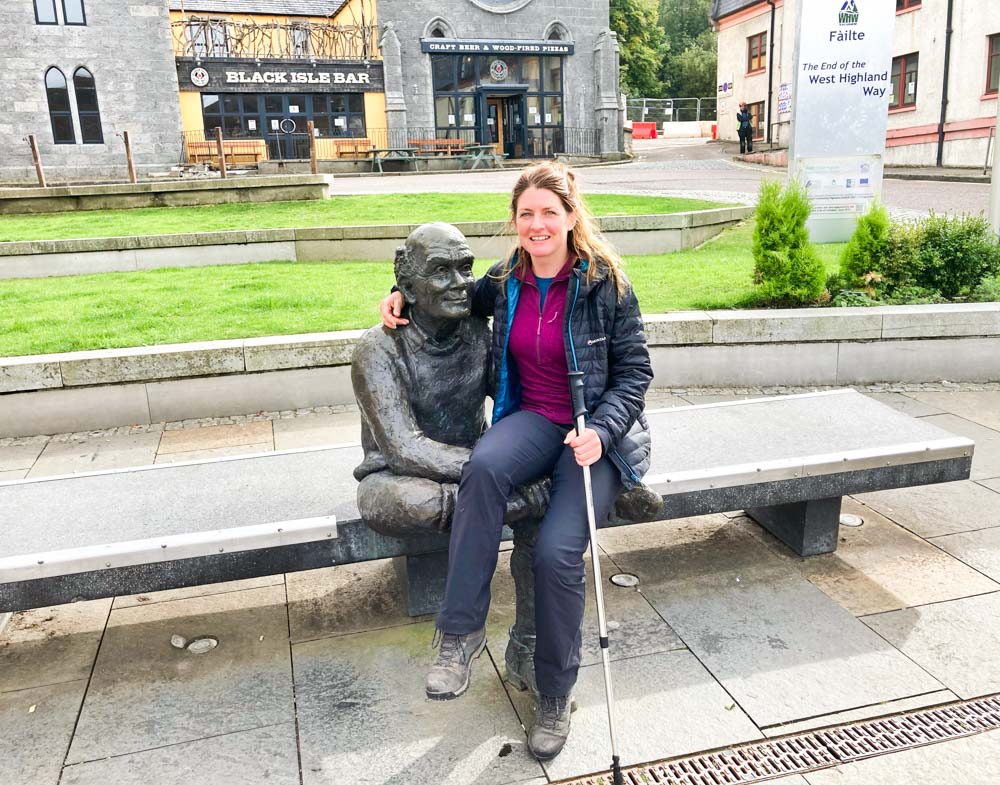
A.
pixel 202 38
pixel 670 110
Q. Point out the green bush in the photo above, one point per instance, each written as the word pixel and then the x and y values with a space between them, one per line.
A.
pixel 786 267
pixel 956 254
pixel 988 291
pixel 869 248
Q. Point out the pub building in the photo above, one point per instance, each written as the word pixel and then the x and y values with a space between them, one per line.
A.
pixel 518 75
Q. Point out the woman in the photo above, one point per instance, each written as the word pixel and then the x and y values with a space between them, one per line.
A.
pixel 560 303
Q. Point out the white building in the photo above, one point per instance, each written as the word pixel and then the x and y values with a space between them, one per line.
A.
pixel 943 99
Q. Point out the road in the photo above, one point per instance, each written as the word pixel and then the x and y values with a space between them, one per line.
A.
pixel 692 168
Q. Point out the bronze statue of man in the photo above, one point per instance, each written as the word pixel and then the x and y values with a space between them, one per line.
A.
pixel 421 391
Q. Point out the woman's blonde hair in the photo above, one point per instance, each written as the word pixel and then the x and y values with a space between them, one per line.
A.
pixel 585 241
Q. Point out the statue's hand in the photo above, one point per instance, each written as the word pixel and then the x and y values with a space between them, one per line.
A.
pixel 390 308
pixel 536 494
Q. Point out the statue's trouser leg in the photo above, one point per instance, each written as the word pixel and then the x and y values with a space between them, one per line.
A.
pixel 560 583
pixel 521 447
pixel 520 654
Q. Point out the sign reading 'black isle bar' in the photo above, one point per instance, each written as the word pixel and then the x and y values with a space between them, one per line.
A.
pixel 279 76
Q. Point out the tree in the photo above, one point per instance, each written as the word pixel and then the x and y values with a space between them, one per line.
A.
pixel 642 46
pixel 689 63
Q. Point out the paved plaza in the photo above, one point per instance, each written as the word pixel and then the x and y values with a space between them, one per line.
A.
pixel 317 678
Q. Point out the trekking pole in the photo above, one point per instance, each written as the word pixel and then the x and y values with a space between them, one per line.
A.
pixel 579 412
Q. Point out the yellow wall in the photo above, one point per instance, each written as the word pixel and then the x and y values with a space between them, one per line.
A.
pixel 375 110
pixel 191 119
pixel 353 11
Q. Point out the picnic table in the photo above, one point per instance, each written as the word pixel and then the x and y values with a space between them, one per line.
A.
pixel 380 154
pixel 484 154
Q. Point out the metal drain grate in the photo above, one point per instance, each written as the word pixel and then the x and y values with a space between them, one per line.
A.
pixel 805 752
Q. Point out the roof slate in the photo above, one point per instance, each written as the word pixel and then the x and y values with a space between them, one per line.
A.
pixel 270 7
pixel 721 8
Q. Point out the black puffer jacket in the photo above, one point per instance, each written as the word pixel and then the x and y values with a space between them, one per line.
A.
pixel 604 338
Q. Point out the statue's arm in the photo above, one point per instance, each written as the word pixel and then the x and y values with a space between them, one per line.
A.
pixel 383 399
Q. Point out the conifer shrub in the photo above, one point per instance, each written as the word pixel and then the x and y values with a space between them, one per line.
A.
pixel 868 251
pixel 787 270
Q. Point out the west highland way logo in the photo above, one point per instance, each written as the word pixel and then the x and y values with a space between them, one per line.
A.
pixel 849 13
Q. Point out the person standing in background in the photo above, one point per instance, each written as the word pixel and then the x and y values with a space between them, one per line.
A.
pixel 744 128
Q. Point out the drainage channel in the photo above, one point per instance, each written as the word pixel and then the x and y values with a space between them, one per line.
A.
pixel 804 752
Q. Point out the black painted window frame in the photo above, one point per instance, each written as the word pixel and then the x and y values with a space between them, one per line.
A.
pixel 66 114
pixel 83 14
pixel 48 4
pixel 88 114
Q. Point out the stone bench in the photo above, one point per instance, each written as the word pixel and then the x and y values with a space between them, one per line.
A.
pixel 787 461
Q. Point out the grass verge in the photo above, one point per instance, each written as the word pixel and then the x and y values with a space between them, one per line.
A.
pixel 357 210
pixel 177 305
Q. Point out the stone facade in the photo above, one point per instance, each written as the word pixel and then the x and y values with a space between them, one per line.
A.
pixel 590 76
pixel 126 45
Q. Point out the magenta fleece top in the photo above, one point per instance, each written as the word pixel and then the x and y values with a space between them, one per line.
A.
pixel 538 349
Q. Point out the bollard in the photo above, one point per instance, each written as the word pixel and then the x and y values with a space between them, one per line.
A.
pixel 222 151
pixel 33 143
pixel 313 163
pixel 128 157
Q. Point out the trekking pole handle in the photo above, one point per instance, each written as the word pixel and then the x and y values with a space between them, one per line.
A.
pixel 576 394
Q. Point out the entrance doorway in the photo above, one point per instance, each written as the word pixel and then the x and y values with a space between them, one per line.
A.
pixel 505 124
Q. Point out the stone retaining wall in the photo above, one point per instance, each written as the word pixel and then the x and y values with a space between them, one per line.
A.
pixel 163 193
pixel 631 234
pixel 832 346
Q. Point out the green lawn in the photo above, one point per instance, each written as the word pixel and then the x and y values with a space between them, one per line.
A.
pixel 338 211
pixel 176 305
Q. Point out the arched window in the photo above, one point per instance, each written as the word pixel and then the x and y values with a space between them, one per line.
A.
pixel 60 112
pixel 86 107
pixel 437 32
pixel 45 12
pixel 557 31
pixel 73 13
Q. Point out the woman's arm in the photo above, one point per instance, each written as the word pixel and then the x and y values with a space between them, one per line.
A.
pixel 630 373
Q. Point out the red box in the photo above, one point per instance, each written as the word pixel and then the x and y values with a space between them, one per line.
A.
pixel 644 130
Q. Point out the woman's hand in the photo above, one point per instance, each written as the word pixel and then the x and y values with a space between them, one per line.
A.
pixel 390 308
pixel 587 446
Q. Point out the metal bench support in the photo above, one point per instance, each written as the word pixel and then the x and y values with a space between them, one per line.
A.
pixel 422 578
pixel 808 528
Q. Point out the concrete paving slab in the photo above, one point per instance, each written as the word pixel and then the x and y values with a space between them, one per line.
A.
pixel 95 453
pixel 214 452
pixel 979 406
pixel 22 453
pixel 317 430
pixel 657 401
pixel 906 404
pixel 957 641
pixel 880 567
pixel 214 436
pixel 144 693
pixel 993 485
pixel 634 628
pixel 774 641
pixel 17 474
pixel 35 729
pixel 346 599
pixel 936 510
pixel 974 760
pixel 51 645
pixel 260 755
pixel 667 705
pixel 865 713
pixel 986 458
pixel 362 710
pixel 133 600
pixel 980 549
pixel 716 398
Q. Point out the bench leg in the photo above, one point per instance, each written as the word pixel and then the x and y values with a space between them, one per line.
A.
pixel 808 528
pixel 422 579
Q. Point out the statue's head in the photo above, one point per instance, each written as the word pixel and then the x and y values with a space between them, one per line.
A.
pixel 434 272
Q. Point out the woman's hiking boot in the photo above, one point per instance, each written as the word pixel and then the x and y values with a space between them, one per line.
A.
pixel 550 730
pixel 450 674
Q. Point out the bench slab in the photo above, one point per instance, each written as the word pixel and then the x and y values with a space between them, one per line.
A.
pixel 786 460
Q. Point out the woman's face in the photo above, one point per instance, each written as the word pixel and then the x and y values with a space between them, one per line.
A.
pixel 543 225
